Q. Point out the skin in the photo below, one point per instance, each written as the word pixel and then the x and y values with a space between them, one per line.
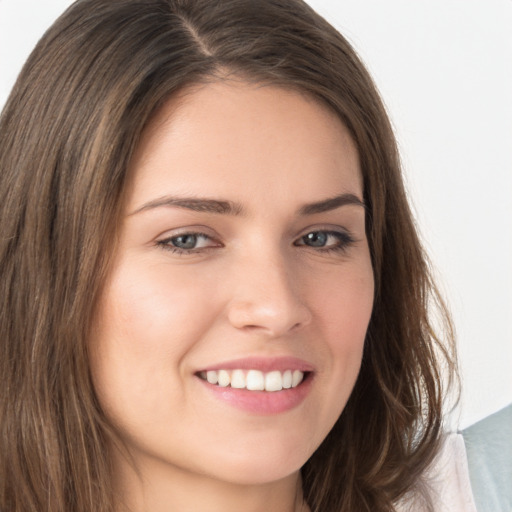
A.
pixel 252 286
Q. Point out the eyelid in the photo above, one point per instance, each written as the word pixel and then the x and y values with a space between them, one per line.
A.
pixel 164 241
pixel 330 232
pixel 345 239
pixel 324 228
pixel 187 230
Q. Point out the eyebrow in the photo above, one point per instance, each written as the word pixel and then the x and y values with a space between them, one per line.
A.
pixel 222 207
pixel 194 204
pixel 331 204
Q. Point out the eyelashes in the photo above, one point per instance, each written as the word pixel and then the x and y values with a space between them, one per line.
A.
pixel 321 241
pixel 326 241
pixel 188 241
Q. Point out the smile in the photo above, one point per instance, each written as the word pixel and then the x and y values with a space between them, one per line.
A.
pixel 254 380
pixel 259 385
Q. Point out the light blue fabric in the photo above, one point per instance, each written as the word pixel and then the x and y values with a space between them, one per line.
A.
pixel 489 450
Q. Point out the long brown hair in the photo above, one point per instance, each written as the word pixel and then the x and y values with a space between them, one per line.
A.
pixel 67 135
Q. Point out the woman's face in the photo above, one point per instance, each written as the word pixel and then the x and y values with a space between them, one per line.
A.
pixel 242 263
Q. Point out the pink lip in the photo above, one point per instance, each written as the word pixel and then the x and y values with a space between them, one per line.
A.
pixel 263 402
pixel 263 364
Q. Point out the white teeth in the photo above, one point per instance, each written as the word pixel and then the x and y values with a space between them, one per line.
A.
pixel 297 378
pixel 224 378
pixel 238 379
pixel 211 377
pixel 254 380
pixel 287 379
pixel 273 381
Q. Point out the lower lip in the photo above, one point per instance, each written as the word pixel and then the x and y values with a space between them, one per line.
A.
pixel 262 402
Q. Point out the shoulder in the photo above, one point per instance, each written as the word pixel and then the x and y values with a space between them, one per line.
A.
pixel 446 483
pixel 472 471
pixel 489 451
pixel 448 478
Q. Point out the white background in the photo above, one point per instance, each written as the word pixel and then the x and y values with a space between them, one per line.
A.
pixel 444 68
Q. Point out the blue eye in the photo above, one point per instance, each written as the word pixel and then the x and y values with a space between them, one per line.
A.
pixel 187 243
pixel 326 240
pixel 316 239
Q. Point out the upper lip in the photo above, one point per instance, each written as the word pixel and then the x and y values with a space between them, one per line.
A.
pixel 263 364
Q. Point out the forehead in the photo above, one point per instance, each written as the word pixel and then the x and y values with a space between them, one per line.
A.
pixel 244 139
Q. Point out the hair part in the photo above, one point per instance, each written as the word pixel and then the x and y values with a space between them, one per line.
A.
pixel 67 135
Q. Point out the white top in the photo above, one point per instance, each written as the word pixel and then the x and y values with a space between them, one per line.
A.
pixel 447 480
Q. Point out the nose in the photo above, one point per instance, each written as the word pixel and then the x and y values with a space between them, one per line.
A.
pixel 266 298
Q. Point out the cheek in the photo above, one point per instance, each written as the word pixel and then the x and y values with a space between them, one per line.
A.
pixel 344 305
pixel 152 311
pixel 147 321
pixel 344 310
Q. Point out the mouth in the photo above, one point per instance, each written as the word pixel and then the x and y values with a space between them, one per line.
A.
pixel 262 386
pixel 255 380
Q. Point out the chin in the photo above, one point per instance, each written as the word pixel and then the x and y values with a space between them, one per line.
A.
pixel 261 466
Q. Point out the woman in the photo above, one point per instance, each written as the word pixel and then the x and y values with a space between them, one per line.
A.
pixel 213 294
